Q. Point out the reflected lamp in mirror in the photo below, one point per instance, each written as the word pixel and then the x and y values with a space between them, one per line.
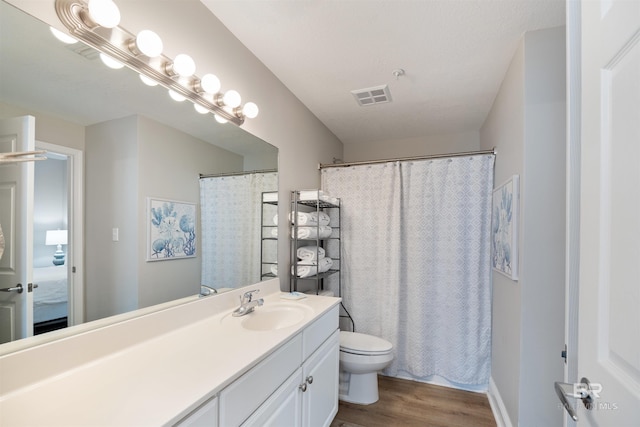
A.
pixel 57 238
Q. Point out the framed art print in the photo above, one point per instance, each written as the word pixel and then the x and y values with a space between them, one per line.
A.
pixel 171 229
pixel 504 229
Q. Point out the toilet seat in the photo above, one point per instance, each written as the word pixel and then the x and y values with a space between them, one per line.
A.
pixel 363 344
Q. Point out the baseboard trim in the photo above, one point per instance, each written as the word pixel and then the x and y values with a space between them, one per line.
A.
pixel 497 406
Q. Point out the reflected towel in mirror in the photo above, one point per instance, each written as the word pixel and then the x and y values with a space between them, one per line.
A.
pixel 322 232
pixel 310 253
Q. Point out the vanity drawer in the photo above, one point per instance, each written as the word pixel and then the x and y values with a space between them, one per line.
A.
pixel 317 333
pixel 248 392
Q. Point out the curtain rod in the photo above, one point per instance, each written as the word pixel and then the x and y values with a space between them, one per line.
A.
pixel 401 159
pixel 216 175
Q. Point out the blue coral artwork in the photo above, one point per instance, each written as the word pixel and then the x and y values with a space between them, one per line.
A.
pixel 504 228
pixel 172 229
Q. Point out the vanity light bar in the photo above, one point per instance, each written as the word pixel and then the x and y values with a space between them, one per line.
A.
pixel 116 42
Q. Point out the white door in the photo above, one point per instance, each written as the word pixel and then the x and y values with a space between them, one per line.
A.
pixel 16 218
pixel 609 283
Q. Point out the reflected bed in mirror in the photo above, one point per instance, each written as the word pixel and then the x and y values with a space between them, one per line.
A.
pixel 136 143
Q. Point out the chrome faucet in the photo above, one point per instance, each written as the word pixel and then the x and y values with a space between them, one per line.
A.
pixel 207 290
pixel 247 303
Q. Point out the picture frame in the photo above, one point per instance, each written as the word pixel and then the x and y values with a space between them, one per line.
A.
pixel 504 227
pixel 171 229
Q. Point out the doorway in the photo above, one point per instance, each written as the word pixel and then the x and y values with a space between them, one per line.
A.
pixel 57 239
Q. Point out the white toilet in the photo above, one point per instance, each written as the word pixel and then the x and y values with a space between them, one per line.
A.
pixel 361 357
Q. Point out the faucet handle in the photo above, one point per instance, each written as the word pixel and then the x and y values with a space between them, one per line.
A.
pixel 249 295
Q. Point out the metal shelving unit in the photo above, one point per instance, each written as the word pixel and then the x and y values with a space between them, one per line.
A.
pixel 268 261
pixel 301 202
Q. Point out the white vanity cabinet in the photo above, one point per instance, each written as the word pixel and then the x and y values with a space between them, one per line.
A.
pixel 307 397
pixel 205 416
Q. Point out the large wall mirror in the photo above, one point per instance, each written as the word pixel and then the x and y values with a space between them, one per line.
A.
pixel 140 150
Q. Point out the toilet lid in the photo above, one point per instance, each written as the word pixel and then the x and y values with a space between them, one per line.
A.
pixel 354 342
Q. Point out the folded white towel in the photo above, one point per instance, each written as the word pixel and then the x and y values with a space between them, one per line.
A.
pixel 312 232
pixel 311 218
pixel 270 197
pixel 321 266
pixel 317 195
pixel 310 253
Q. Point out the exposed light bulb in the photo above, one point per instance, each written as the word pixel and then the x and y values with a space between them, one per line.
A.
pixel 176 96
pixel 250 110
pixel 148 80
pixel 104 13
pixel 63 37
pixel 148 43
pixel 184 66
pixel 210 84
pixel 110 62
pixel 232 99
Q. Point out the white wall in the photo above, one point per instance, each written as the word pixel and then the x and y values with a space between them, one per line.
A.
pixel 111 180
pixel 169 164
pixel 527 125
pixel 49 129
pixel 504 129
pixel 128 160
pixel 418 146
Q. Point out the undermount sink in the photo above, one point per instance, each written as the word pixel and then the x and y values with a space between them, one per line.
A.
pixel 271 317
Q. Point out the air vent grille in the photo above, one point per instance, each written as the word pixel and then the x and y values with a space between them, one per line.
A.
pixel 372 95
pixel 83 50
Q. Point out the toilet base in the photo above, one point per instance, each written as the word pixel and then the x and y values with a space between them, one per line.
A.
pixel 361 389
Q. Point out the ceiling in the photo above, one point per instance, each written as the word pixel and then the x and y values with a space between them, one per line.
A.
pixel 454 54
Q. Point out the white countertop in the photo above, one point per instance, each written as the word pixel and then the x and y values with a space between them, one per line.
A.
pixel 156 381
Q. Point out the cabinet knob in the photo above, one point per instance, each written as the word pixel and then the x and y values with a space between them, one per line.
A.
pixel 303 387
pixel 310 379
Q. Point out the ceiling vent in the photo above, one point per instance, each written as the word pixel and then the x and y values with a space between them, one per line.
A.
pixel 83 50
pixel 372 95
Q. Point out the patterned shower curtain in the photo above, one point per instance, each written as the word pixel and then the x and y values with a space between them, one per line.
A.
pixel 416 262
pixel 230 212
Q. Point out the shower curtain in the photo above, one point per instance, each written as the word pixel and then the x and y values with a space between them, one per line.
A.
pixel 416 262
pixel 230 212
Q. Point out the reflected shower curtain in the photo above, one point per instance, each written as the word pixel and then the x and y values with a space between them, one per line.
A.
pixel 416 262
pixel 230 211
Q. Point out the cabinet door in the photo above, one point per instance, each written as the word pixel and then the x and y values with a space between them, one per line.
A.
pixel 205 416
pixel 282 408
pixel 320 371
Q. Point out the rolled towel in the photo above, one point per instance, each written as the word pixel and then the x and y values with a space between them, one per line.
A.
pixel 312 268
pixel 310 253
pixel 324 264
pixel 305 271
pixel 310 218
pixel 321 218
pixel 274 232
pixel 275 219
pixel 274 269
pixel 312 232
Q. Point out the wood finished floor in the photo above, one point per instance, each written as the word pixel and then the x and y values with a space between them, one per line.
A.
pixel 409 403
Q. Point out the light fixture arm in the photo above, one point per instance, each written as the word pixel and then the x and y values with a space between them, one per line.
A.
pixel 115 43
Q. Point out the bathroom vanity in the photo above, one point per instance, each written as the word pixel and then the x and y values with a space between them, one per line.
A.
pixel 189 365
